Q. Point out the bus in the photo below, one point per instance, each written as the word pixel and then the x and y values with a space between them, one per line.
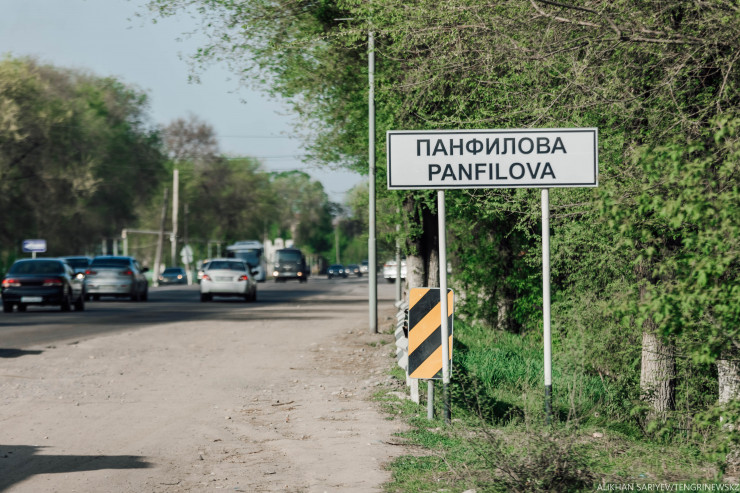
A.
pixel 252 252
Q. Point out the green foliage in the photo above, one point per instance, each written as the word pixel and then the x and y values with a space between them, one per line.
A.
pixel 77 156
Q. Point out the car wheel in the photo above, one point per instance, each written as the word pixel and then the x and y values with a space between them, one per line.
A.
pixel 205 297
pixel 21 307
pixel 66 303
pixel 145 295
pixel 7 307
pixel 80 303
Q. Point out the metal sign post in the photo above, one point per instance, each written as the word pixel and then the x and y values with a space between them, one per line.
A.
pixel 441 213
pixel 546 302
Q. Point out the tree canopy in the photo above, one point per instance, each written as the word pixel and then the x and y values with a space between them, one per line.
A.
pixel 77 156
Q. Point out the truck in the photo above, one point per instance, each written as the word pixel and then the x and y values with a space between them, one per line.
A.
pixel 290 263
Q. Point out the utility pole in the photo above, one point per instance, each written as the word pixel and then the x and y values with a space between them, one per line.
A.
pixel 175 209
pixel 336 240
pixel 372 255
pixel 160 240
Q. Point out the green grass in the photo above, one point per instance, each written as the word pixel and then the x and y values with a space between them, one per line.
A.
pixel 498 442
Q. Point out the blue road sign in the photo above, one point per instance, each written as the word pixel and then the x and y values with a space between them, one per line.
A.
pixel 37 246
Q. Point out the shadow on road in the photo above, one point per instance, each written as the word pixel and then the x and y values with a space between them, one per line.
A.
pixel 17 353
pixel 20 462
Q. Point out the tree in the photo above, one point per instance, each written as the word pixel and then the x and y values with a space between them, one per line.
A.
pixel 77 156
pixel 304 211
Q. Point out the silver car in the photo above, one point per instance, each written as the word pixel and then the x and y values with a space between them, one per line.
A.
pixel 110 275
pixel 228 277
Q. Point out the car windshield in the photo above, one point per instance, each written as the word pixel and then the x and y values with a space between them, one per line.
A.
pixel 173 270
pixel 288 256
pixel 77 263
pixel 249 256
pixel 110 262
pixel 225 265
pixel 37 267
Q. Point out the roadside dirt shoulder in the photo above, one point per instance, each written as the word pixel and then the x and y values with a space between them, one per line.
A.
pixel 276 400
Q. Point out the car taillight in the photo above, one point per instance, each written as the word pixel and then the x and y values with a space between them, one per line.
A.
pixel 127 272
pixel 244 278
pixel 52 282
pixel 11 283
pixel 206 277
pixel 90 272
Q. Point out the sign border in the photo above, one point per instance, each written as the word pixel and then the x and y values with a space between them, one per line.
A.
pixel 593 130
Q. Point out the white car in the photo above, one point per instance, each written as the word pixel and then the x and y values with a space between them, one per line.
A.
pixel 228 277
pixel 389 270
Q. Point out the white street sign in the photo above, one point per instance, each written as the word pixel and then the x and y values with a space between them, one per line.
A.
pixel 532 158
pixel 186 253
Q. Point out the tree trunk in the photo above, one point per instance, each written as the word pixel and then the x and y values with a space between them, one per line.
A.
pixel 658 373
pixel 728 375
pixel 658 369
pixel 504 305
pixel 422 262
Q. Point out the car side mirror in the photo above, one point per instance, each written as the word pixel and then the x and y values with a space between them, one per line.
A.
pixel 254 271
pixel 145 269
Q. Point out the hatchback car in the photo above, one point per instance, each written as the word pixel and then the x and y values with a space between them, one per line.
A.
pixel 42 282
pixel 336 270
pixel 173 275
pixel 110 275
pixel 228 277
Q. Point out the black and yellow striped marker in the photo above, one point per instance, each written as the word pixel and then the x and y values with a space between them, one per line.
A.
pixel 425 332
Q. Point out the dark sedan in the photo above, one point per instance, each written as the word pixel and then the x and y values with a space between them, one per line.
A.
pixel 336 270
pixel 173 275
pixel 42 282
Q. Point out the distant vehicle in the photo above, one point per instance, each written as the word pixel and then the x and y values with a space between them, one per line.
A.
pixel 173 275
pixel 79 264
pixel 290 263
pixel 252 252
pixel 364 266
pixel 43 281
pixel 389 270
pixel 228 277
pixel 336 270
pixel 202 268
pixel 353 270
pixel 111 275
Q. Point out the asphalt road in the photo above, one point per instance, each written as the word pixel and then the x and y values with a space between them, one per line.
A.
pixel 166 304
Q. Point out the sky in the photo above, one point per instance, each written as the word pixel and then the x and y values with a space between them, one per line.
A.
pixel 106 38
